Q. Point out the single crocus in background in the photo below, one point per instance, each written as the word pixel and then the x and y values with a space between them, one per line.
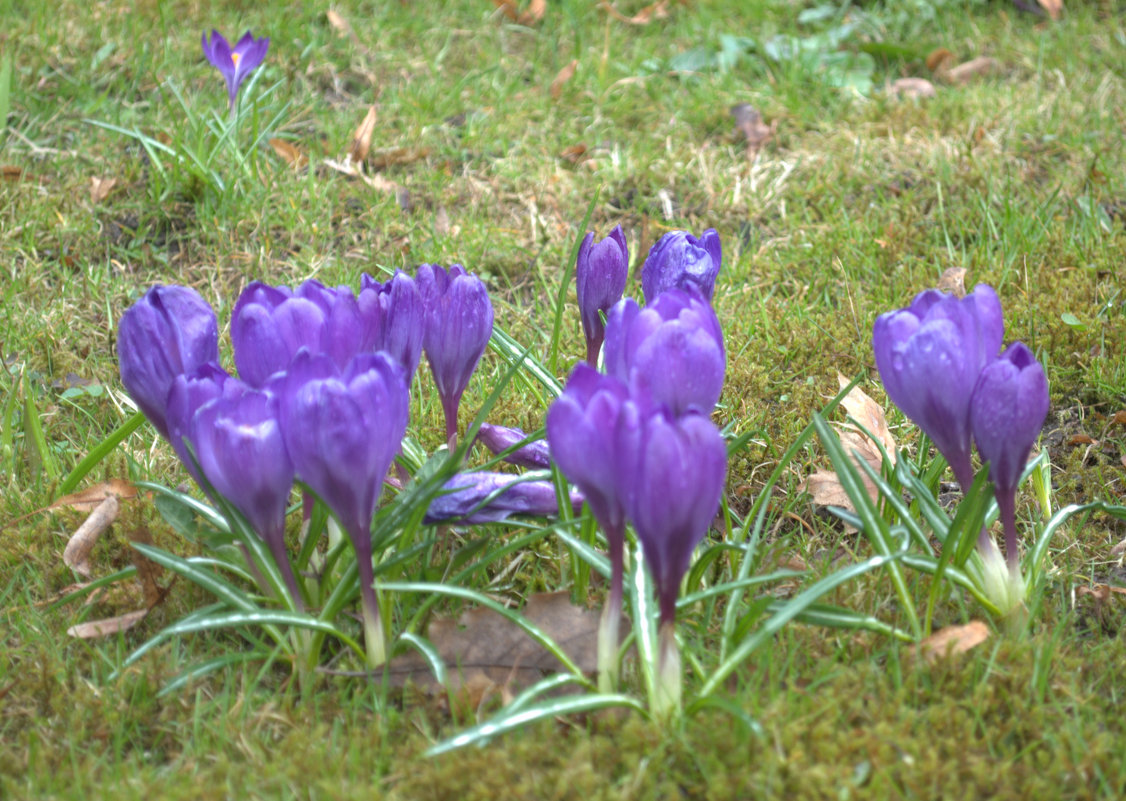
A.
pixel 674 490
pixel 672 350
pixel 498 439
pixel 601 271
pixel 476 497
pixel 930 356
pixel 459 322
pixel 234 63
pixel 342 429
pixel 592 430
pixel 169 331
pixel 679 260
pixel 1008 410
pixel 238 443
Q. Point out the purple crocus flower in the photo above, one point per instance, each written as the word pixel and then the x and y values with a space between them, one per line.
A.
pixel 675 488
pixel 393 318
pixel 930 356
pixel 601 271
pixel 234 64
pixel 477 497
pixel 189 392
pixel 270 324
pixel 536 455
pixel 459 322
pixel 1006 414
pixel 169 331
pixel 672 350
pixel 342 428
pixel 238 442
pixel 681 261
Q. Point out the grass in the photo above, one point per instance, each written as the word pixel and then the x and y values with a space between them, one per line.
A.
pixel 856 204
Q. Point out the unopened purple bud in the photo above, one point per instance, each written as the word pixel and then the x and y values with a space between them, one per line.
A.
pixel 189 392
pixel 681 261
pixel 601 271
pixel 169 331
pixel 483 497
pixel 930 356
pixel 500 438
pixel 394 319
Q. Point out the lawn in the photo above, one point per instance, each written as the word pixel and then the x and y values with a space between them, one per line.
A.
pixel 497 131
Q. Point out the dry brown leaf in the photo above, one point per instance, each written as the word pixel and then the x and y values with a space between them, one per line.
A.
pixel 361 139
pixel 76 555
pixel 871 415
pixel 911 88
pixel 573 153
pixel 953 280
pixel 11 173
pixel 100 188
pixel 562 77
pixel 658 10
pixel 1100 592
pixel 442 221
pixel 968 70
pixel 1082 439
pixel 91 497
pixel 1053 7
pixel 1120 548
pixel 1119 417
pixel 826 490
pixel 749 124
pixel 534 13
pixel 937 59
pixel 950 641
pixel 336 20
pixel 290 153
pixel 483 651
pixel 111 625
pixel 356 170
pixel 397 155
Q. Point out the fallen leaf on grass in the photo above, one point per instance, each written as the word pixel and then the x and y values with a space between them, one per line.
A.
pixel 966 71
pixel 110 625
pixel 911 88
pixel 950 641
pixel 397 155
pixel 1082 439
pixel 1120 548
pixel 953 280
pixel 870 415
pixel 1053 7
pixel 658 10
pixel 1100 592
pixel 562 77
pixel 91 497
pixel 533 14
pixel 100 188
pixel 749 124
pixel 11 173
pixel 938 59
pixel 1119 417
pixel 573 153
pixel 361 139
pixel 342 26
pixel 76 555
pixel 290 153
pixel 485 653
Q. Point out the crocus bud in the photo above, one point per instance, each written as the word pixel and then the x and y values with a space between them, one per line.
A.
pixel 342 428
pixel 681 261
pixel 930 356
pixel 482 497
pixel 672 350
pixel 169 331
pixel 459 322
pixel 393 318
pixel 1007 412
pixel 189 392
pixel 235 63
pixel 601 271
pixel 498 439
pixel 239 445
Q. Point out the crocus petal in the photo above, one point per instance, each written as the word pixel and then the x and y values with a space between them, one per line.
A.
pixel 482 497
pixel 601 271
pixel 536 455
pixel 679 260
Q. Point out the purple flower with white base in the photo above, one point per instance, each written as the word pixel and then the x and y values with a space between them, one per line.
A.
pixel 235 63
pixel 681 261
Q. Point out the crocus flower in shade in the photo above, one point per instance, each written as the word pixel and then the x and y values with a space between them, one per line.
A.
pixel 1007 412
pixel 674 491
pixel 930 356
pixel 234 64
pixel 270 324
pixel 498 439
pixel 459 322
pixel 592 429
pixel 342 429
pixel 672 350
pixel 600 274
pixel 681 261
pixel 238 442
pixel 169 331
pixel 482 497
pixel 393 318
pixel 189 392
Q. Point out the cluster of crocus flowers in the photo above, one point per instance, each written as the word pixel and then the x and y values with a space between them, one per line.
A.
pixel 234 63
pixel 940 361
pixel 321 397
pixel 637 440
